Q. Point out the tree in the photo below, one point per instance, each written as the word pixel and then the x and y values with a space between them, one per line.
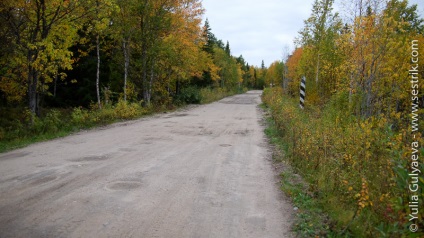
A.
pixel 293 71
pixel 274 74
pixel 101 21
pixel 317 39
pixel 230 73
pixel 209 76
pixel 184 42
pixel 227 48
pixel 41 33
pixel 211 40
pixel 126 27
pixel 380 58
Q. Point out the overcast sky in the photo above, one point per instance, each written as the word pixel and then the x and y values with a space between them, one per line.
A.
pixel 260 30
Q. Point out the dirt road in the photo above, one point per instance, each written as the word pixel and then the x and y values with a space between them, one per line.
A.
pixel 198 172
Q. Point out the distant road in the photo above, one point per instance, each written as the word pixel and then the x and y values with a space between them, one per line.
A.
pixel 198 172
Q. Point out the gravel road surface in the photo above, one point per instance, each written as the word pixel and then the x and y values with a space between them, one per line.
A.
pixel 204 171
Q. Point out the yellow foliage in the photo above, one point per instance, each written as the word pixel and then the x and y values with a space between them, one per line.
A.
pixel 348 158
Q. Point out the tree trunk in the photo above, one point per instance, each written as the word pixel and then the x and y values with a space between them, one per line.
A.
pixel 152 75
pixel 98 71
pixel 32 86
pixel 144 74
pixel 351 88
pixel 32 91
pixel 126 66
pixel 177 87
pixel 55 84
pixel 369 97
pixel 317 71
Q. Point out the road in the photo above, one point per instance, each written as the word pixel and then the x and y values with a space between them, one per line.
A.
pixel 203 171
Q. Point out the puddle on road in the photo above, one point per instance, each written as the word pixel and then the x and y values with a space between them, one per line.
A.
pixel 127 149
pixel 225 145
pixel 42 180
pixel 123 185
pixel 91 158
pixel 14 155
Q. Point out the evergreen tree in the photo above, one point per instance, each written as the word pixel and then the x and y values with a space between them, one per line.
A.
pixel 227 48
pixel 210 38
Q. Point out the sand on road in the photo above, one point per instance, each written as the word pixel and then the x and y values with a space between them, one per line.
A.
pixel 203 171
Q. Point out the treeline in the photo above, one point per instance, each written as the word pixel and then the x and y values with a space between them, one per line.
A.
pixel 79 53
pixel 364 102
pixel 67 65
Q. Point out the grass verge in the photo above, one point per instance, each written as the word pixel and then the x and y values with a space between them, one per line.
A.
pixel 17 131
pixel 356 168
pixel 311 220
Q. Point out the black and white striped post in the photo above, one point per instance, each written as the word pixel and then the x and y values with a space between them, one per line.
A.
pixel 302 92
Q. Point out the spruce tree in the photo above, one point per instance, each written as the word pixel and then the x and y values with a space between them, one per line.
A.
pixel 227 48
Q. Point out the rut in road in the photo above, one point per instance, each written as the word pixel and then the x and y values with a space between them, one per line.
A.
pixel 199 172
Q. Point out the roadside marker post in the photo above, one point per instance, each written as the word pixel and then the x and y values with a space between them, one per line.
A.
pixel 302 92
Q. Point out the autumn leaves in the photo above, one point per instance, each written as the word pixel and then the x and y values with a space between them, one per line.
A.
pixel 353 141
pixel 139 50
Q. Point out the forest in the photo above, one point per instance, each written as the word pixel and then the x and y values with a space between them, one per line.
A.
pixel 73 64
pixel 358 142
pixel 68 65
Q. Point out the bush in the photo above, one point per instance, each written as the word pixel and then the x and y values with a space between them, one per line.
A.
pixel 80 117
pixel 349 162
pixel 125 110
pixel 189 95
pixel 51 123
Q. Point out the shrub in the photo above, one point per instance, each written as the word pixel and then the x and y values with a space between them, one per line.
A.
pixel 125 110
pixel 190 95
pixel 80 117
pixel 51 123
pixel 352 164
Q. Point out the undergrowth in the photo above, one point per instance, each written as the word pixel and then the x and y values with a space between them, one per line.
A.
pixel 18 127
pixel 356 169
pixel 311 220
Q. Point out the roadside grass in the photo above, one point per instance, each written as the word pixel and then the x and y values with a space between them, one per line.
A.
pixel 354 168
pixel 311 220
pixel 17 131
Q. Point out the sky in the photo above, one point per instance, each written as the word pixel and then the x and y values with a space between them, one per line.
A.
pixel 261 30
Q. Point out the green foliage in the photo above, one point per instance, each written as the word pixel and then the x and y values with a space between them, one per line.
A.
pixel 16 129
pixel 209 95
pixel 51 123
pixel 189 95
pixel 20 131
pixel 354 166
pixel 353 140
pixel 80 116
pixel 125 110
pixel 311 220
pixel 135 50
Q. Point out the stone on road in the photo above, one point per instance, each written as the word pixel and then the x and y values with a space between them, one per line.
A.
pixel 204 171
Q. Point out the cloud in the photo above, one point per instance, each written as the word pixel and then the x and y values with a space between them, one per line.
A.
pixel 258 30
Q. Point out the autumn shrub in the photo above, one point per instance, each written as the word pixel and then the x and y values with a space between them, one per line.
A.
pixel 80 117
pixel 352 164
pixel 126 110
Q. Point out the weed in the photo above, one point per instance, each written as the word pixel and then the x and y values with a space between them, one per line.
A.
pixel 354 166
